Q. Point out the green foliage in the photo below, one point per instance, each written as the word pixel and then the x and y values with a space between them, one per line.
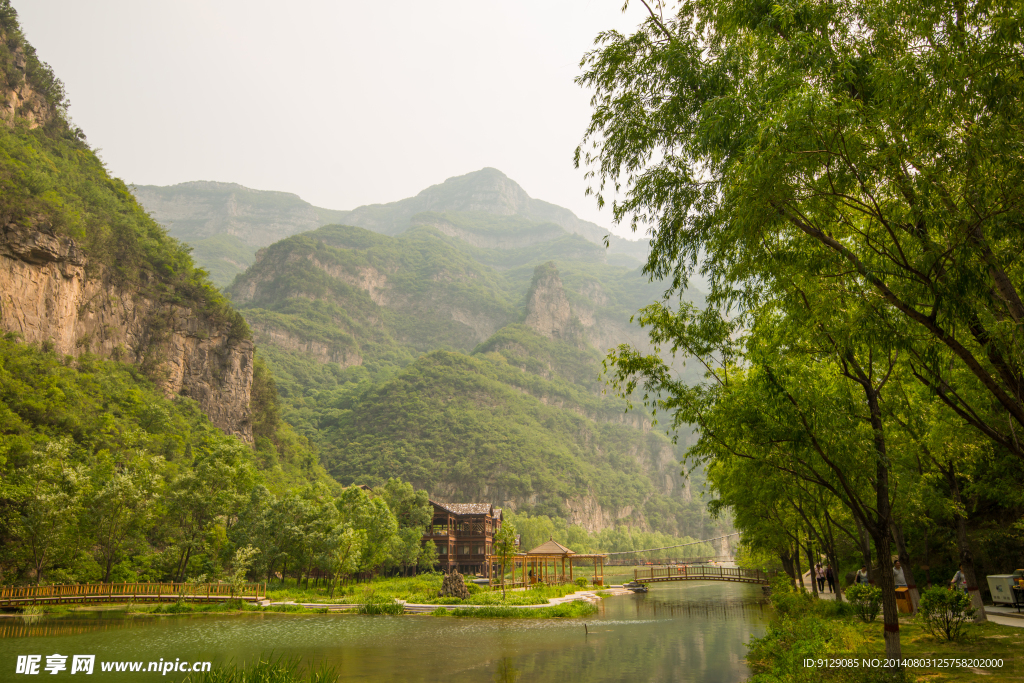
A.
pixel 374 603
pixel 266 670
pixel 945 612
pixel 866 599
pixel 779 654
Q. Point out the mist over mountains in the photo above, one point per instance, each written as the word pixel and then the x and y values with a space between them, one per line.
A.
pixel 453 339
pixel 225 224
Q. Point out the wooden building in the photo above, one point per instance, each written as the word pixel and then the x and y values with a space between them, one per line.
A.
pixel 550 563
pixel 463 534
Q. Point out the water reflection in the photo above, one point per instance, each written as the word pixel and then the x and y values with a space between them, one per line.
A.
pixel 506 671
pixel 688 632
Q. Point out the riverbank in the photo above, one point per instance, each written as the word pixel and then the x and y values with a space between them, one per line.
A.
pixel 412 595
pixel 807 635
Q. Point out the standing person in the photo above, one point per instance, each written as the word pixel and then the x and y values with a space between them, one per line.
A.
pixel 897 575
pixel 959 580
pixel 862 574
pixel 819 572
pixel 830 576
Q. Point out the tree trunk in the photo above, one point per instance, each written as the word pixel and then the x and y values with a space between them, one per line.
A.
pixel 796 561
pixel 787 565
pixel 966 556
pixel 865 549
pixel 890 613
pixel 880 533
pixel 901 549
pixel 810 565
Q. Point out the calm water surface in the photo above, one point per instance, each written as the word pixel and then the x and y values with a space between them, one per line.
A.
pixel 677 632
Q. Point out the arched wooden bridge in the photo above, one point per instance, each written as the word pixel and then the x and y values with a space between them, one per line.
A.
pixel 13 596
pixel 699 573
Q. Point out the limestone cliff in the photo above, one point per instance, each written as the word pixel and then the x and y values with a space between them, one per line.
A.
pixel 20 99
pixel 547 308
pixel 47 296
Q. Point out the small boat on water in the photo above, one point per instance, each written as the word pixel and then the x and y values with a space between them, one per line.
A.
pixel 635 587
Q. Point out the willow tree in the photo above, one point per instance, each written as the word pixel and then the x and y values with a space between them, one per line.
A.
pixel 865 152
pixel 881 137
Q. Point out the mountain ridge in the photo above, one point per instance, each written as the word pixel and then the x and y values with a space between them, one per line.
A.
pixel 226 223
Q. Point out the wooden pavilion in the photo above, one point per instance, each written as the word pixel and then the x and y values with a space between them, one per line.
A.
pixel 549 563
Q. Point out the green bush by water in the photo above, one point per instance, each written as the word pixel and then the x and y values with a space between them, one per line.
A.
pixel 375 603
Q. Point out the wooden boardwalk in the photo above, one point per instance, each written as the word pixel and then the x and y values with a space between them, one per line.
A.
pixel 82 593
pixel 701 573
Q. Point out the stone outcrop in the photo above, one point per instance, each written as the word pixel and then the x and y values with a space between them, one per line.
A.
pixel 320 351
pixel 47 296
pixel 547 308
pixel 22 101
pixel 453 586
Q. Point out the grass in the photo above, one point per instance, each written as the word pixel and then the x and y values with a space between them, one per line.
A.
pixel 804 627
pixel 421 589
pixel 266 670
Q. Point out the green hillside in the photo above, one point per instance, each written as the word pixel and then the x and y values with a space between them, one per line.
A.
pixel 225 224
pixel 408 356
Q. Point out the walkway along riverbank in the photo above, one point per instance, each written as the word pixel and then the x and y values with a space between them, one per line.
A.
pixel 590 596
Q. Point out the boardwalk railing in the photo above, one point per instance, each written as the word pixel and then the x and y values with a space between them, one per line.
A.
pixel 699 573
pixel 128 592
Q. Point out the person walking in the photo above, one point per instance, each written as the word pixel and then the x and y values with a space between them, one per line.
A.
pixel 862 574
pixel 959 580
pixel 830 577
pixel 819 572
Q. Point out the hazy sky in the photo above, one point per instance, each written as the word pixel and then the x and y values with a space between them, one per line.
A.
pixel 343 103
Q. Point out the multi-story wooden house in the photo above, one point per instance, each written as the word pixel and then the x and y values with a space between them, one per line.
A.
pixel 464 534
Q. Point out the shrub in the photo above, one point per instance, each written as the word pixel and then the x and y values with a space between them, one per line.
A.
pixel 581 582
pixel 866 600
pixel 945 612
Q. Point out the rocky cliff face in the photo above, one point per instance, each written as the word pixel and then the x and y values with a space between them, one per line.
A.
pixel 46 296
pixel 22 100
pixel 547 308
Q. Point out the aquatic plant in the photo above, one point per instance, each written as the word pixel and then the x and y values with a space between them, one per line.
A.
pixel 266 670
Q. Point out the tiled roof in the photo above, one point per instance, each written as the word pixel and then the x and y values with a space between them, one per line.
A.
pixel 465 508
pixel 551 547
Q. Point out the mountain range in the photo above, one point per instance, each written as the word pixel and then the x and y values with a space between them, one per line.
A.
pixel 453 339
pixel 225 224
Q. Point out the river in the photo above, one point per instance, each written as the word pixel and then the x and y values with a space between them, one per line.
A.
pixel 676 632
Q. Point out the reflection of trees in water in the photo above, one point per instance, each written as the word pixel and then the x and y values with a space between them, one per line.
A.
pixel 506 672
pixel 650 606
pixel 26 629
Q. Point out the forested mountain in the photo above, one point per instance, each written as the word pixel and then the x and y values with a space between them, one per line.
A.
pixel 225 224
pixel 135 419
pixel 467 363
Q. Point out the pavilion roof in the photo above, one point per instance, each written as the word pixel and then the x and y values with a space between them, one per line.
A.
pixel 551 547
pixel 466 508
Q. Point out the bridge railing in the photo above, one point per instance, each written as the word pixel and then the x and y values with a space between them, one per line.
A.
pixel 699 572
pixel 127 591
